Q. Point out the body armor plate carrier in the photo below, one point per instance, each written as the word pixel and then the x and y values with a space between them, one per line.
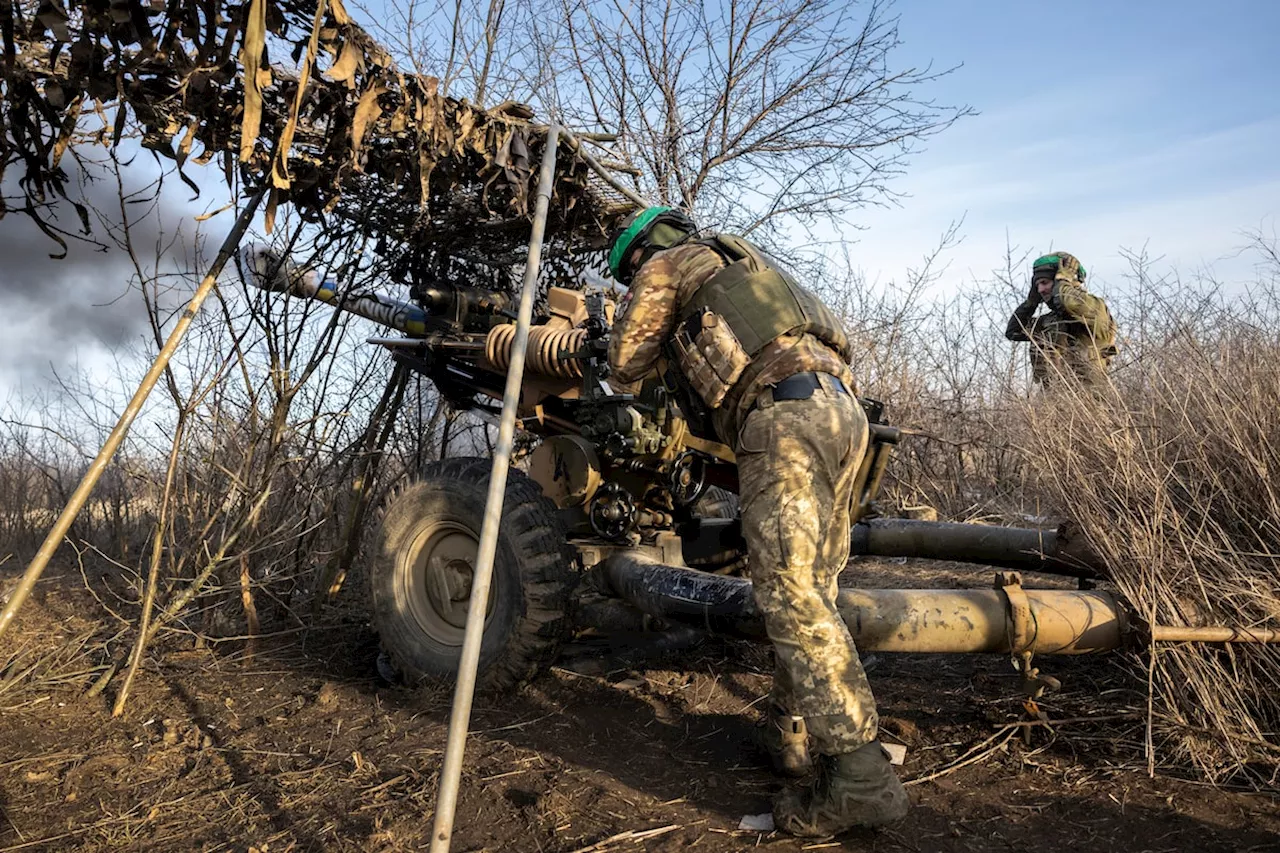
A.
pixel 737 312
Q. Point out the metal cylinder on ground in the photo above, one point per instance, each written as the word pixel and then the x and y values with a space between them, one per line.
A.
pixel 1028 549
pixel 1064 622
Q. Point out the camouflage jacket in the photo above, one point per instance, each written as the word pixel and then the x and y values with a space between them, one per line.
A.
pixel 1077 335
pixel 662 287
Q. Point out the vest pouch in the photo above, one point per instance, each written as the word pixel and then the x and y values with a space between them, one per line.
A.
pixel 710 356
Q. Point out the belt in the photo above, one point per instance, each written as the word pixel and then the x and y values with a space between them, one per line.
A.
pixel 800 387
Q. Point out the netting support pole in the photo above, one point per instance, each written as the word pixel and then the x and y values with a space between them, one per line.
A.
pixel 459 720
pixel 99 465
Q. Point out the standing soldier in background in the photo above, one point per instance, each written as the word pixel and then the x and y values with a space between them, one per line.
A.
pixel 1077 336
pixel 767 362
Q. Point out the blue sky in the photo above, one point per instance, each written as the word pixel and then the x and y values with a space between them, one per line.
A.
pixel 1102 125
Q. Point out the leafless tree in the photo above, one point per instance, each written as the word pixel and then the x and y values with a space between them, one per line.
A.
pixel 759 115
pixel 480 50
pixel 754 113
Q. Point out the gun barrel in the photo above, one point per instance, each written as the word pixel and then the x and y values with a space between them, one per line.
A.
pixel 380 308
pixel 458 302
pixel 280 275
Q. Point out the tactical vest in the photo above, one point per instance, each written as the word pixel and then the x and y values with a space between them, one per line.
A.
pixel 739 311
pixel 761 302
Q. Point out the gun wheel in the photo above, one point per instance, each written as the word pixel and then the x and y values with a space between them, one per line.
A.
pixel 424 563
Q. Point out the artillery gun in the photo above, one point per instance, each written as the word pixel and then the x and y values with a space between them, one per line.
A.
pixel 624 513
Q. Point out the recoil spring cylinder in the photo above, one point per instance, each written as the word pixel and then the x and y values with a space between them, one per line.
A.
pixel 545 348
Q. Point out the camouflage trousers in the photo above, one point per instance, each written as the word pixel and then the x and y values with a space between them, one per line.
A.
pixel 797 460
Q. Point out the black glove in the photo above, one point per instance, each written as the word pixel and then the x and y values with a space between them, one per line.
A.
pixel 1053 302
pixel 1033 297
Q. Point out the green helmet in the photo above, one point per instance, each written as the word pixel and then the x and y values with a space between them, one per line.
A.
pixel 1059 265
pixel 654 228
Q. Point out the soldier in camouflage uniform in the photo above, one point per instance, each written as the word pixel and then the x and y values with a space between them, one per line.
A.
pixel 1076 338
pixel 769 362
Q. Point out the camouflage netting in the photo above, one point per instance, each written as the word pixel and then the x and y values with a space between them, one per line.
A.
pixel 436 181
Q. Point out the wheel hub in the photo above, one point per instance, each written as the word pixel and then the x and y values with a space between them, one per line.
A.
pixel 442 570
pixel 449 587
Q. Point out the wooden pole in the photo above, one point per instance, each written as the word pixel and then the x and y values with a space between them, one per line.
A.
pixel 459 720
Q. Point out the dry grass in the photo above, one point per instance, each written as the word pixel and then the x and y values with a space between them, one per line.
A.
pixel 1171 473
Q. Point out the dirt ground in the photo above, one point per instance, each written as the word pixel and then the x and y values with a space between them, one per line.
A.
pixel 304 747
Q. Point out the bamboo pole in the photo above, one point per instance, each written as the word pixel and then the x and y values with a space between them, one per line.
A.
pixel 60 527
pixel 451 771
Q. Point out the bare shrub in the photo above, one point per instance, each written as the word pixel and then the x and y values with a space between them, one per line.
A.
pixel 929 346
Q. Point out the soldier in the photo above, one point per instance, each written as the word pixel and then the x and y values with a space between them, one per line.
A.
pixel 1077 336
pixel 768 362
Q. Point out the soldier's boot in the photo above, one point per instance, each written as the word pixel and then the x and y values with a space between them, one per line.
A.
pixel 785 740
pixel 855 789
